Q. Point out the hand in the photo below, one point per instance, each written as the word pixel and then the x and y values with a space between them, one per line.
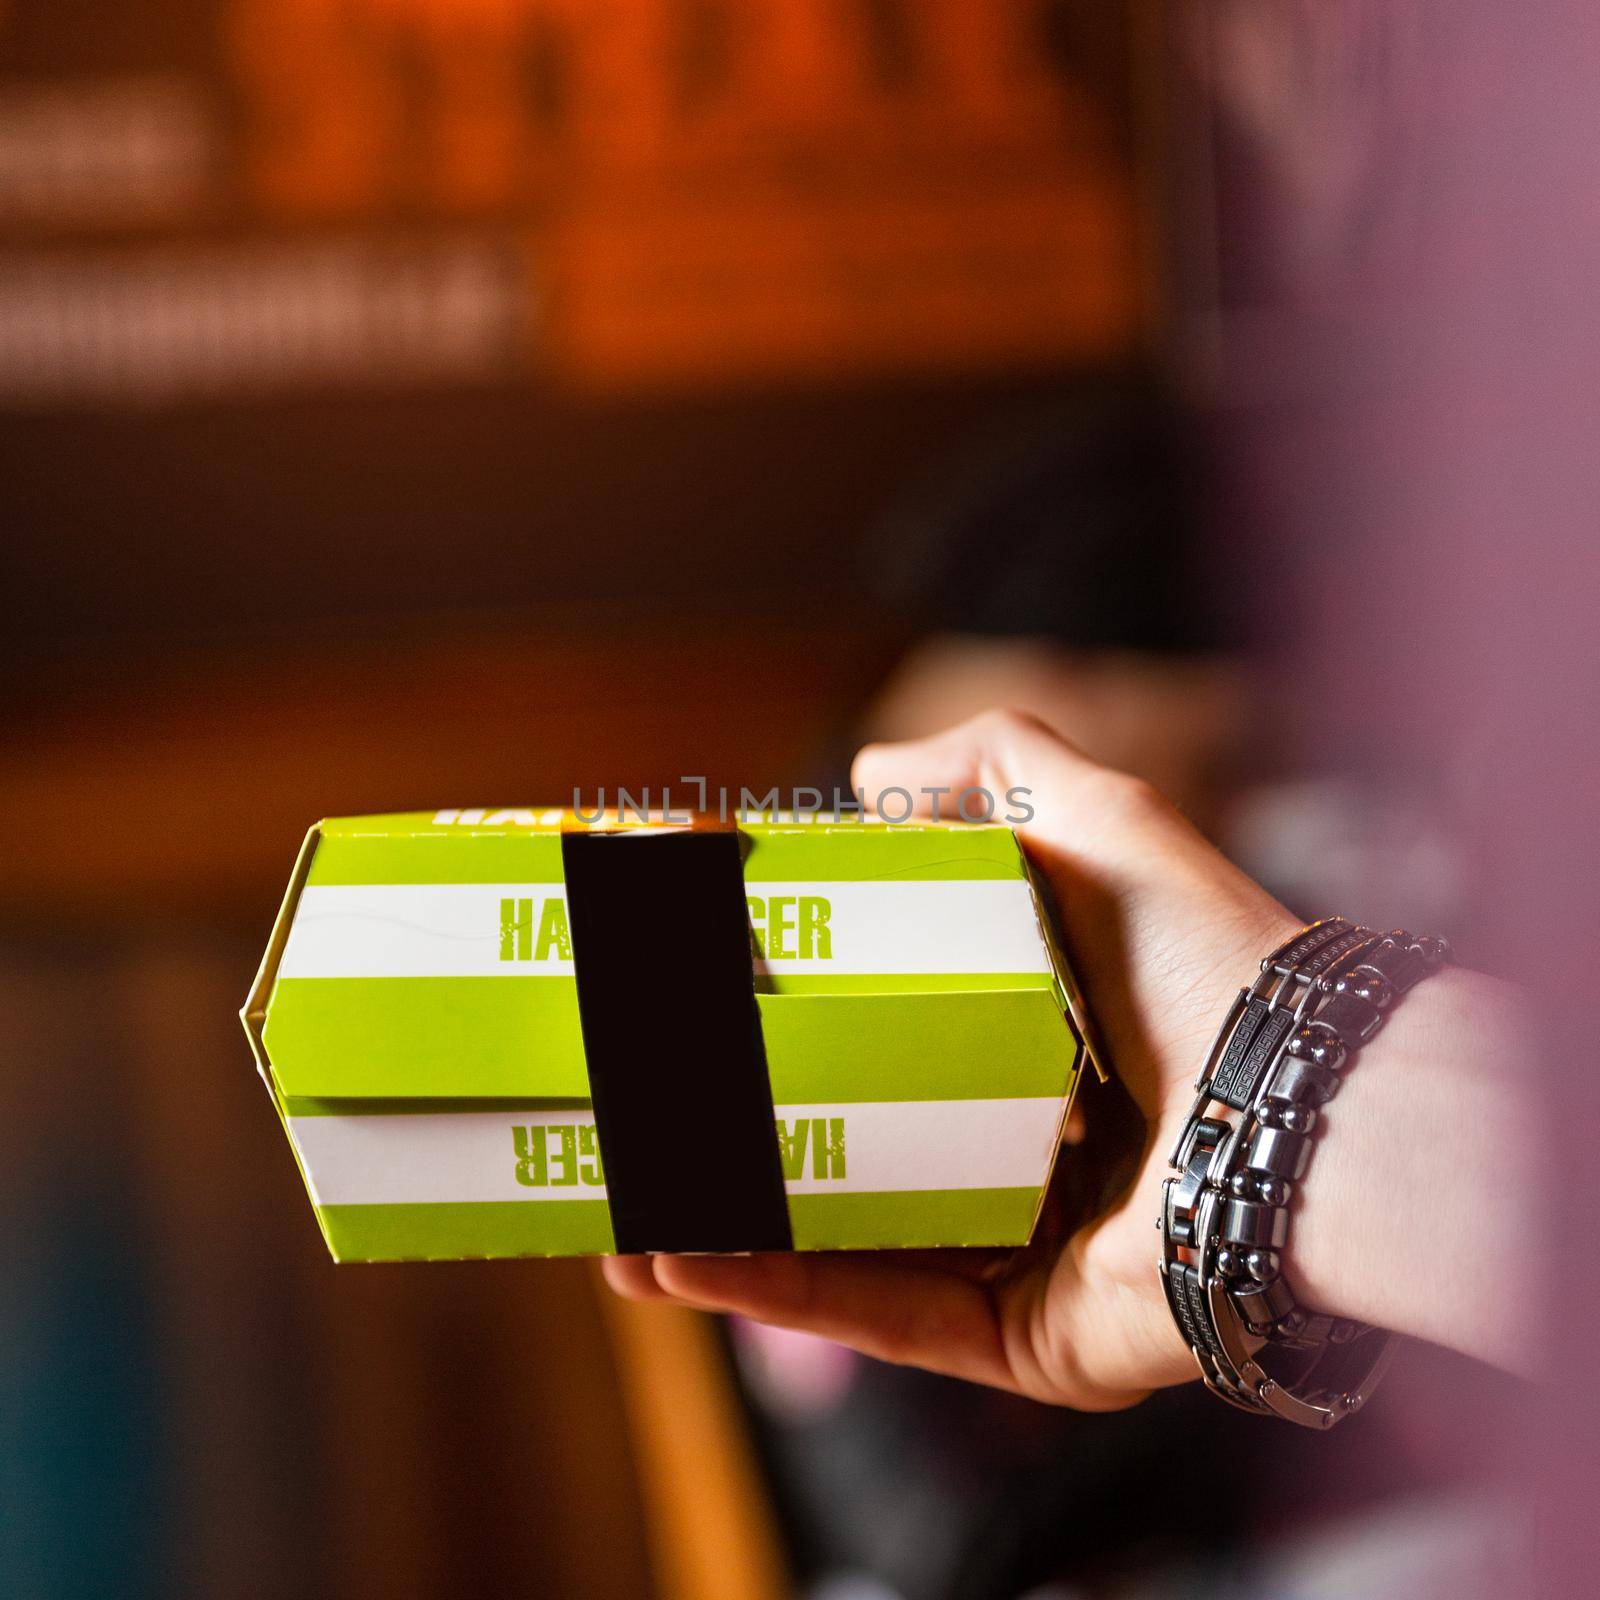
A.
pixel 1162 930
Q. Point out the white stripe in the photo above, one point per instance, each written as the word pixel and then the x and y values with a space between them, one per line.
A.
pixel 954 925
pixel 899 1145
pixel 890 1146
pixel 453 930
pixel 409 930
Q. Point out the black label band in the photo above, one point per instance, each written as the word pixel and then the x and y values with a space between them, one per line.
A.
pixel 677 1068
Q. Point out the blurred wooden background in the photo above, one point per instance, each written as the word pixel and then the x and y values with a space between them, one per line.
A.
pixel 696 292
pixel 355 1431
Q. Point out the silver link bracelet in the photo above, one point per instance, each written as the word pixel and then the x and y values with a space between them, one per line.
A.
pixel 1224 1222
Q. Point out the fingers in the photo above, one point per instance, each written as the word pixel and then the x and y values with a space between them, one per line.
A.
pixel 1063 802
pixel 992 751
pixel 631 1277
pixel 1028 771
pixel 895 1311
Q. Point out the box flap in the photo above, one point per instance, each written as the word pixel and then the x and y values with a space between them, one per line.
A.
pixel 254 1014
pixel 1068 993
pixel 424 958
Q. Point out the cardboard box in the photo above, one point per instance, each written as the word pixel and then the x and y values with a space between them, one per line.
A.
pixel 503 1034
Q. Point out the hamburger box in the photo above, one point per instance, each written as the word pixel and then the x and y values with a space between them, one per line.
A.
pixel 508 1034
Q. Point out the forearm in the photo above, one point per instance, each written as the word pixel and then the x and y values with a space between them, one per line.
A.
pixel 1417 1210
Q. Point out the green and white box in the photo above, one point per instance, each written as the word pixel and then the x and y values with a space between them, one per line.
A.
pixel 417 1020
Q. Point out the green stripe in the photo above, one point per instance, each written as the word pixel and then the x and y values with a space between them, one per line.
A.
pixel 482 1229
pixel 850 855
pixel 399 824
pixel 783 855
pixel 1000 1045
pixel 511 1038
pixel 445 856
pixel 921 1219
pixel 303 1106
pixel 446 1041
pixel 898 982
pixel 467 1229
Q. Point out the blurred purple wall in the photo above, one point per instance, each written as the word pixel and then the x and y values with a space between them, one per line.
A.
pixel 1391 254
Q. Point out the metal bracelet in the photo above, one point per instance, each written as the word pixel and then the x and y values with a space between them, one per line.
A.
pixel 1276 1060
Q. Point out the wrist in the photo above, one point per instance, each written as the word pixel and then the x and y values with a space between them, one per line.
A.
pixel 1416 1213
pixel 1284 1049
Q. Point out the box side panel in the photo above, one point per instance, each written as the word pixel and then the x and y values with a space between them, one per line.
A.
pixel 918 1120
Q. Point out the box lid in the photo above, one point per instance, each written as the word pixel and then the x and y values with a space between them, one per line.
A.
pixel 426 955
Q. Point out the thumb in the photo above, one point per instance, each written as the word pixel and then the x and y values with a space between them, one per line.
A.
pixel 1018 767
